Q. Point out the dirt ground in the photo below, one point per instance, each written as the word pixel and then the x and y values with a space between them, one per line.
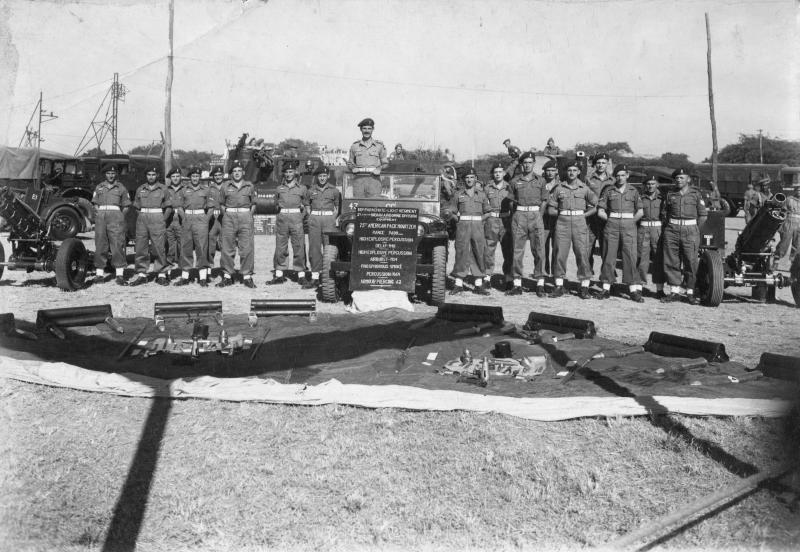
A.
pixel 747 328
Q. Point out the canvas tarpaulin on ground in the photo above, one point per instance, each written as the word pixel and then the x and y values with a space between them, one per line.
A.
pixel 357 360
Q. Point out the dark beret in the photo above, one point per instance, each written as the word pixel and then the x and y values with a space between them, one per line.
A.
pixel 366 122
pixel 237 165
pixel 322 169
pixel 153 168
pixel 193 170
pixel 217 170
pixel 109 167
pixel 651 178
pixel 619 168
pixel 573 163
pixel 470 171
pixel 290 164
pixel 526 155
pixel 497 165
pixel 550 165
pixel 506 140
pixel 678 172
pixel 599 156
pixel 174 170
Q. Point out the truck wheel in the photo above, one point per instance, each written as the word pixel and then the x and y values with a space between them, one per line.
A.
pixel 327 279
pixel 439 278
pixel 72 260
pixel 2 259
pixel 64 223
pixel 794 273
pixel 711 278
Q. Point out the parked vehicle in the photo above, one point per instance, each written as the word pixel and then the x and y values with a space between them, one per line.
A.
pixel 733 178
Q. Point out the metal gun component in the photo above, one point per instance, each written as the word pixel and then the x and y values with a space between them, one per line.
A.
pixel 260 342
pixel 282 307
pixel 575 367
pixel 9 327
pixel 191 310
pixel 581 329
pixel 78 316
pixel 131 343
pixel 678 346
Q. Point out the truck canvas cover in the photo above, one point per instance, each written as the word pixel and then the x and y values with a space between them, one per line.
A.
pixel 23 163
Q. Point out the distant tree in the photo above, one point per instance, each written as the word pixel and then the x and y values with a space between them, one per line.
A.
pixel 94 152
pixel 147 149
pixel 193 158
pixel 301 147
pixel 614 149
pixel 675 160
pixel 746 150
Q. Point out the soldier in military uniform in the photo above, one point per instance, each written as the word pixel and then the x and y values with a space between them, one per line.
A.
pixel 571 202
pixel 111 202
pixel 790 230
pixel 751 203
pixel 597 181
pixel 237 200
pixel 197 207
pixel 528 194
pixel 497 226
pixel 470 205
pixel 685 213
pixel 514 153
pixel 325 202
pixel 366 160
pixel 152 202
pixel 551 180
pixel 620 207
pixel 215 222
pixel 649 235
pixel 174 186
pixel 292 198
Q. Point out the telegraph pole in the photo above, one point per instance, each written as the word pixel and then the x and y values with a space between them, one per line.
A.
pixel 760 147
pixel 168 106
pixel 33 138
pixel 711 106
pixel 117 93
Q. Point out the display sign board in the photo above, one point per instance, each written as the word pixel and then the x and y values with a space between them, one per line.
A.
pixel 384 252
pixel 263 224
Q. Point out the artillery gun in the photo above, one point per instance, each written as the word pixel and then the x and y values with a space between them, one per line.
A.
pixel 750 264
pixel 32 248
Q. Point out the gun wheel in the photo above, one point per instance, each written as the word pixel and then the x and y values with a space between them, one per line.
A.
pixel 2 259
pixel 439 278
pixel 794 273
pixel 711 278
pixel 330 291
pixel 71 262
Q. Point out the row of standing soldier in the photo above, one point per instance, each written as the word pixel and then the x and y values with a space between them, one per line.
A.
pixel 546 213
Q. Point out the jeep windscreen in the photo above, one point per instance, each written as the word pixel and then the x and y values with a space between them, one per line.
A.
pixel 408 187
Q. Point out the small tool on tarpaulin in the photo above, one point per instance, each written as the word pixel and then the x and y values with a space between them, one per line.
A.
pixel 401 360
pixel 258 345
pixel 131 343
pixel 574 367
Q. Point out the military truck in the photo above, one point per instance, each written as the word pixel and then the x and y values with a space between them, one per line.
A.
pixel 732 179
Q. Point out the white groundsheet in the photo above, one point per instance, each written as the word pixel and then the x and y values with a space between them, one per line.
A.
pixel 259 389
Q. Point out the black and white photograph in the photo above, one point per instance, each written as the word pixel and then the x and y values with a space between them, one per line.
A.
pixel 446 275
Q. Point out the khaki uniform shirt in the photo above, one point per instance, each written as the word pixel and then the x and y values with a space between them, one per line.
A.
pixel 237 197
pixel 326 198
pixel 599 183
pixel 688 205
pixel 612 200
pixel 111 193
pixel 367 154
pixel 155 197
pixel 292 197
pixel 475 204
pixel 652 206
pixel 497 197
pixel 575 197
pixel 196 198
pixel 528 190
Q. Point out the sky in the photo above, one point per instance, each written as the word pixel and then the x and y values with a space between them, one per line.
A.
pixel 436 73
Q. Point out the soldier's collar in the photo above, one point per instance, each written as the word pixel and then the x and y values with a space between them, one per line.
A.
pixel 368 143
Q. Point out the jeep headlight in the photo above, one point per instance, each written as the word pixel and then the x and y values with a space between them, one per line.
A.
pixel 420 229
pixel 350 228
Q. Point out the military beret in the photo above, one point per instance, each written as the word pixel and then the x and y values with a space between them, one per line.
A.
pixel 619 168
pixel 152 168
pixel 217 170
pixel 398 145
pixel 109 167
pixel 765 180
pixel 470 171
pixel 322 169
pixel 599 156
pixel 174 170
pixel 550 165
pixel 573 163
pixel 497 165
pixel 290 164
pixel 366 122
pixel 507 140
pixel 677 172
pixel 237 165
pixel 526 155
pixel 651 178
pixel 193 170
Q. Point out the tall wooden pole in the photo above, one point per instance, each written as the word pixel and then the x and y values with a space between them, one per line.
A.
pixel 714 147
pixel 168 106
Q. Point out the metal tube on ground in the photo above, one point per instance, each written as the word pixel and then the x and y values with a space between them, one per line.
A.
pixel 73 316
pixel 678 346
pixel 562 324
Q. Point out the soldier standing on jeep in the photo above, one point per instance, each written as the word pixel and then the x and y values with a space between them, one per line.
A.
pixel 366 160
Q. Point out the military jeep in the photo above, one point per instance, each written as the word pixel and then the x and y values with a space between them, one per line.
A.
pixel 411 189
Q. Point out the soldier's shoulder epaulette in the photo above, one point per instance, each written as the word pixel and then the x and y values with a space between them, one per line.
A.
pixel 356 143
pixel 377 142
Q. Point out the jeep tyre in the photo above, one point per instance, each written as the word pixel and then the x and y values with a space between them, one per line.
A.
pixel 326 278
pixel 64 223
pixel 439 276
pixel 2 259
pixel 711 278
pixel 71 262
pixel 794 274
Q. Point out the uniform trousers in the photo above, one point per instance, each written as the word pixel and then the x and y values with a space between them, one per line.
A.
pixel 109 233
pixel 790 237
pixel 527 226
pixel 594 227
pixel 150 231
pixel 317 240
pixel 498 230
pixel 470 249
pixel 650 250
pixel 549 222
pixel 289 226
pixel 619 234
pixel 214 238
pixel 367 186
pixel 194 240
pixel 571 230
pixel 237 231
pixel 681 244
pixel 173 238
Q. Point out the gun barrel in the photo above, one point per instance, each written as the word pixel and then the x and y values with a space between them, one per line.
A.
pixel 761 229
